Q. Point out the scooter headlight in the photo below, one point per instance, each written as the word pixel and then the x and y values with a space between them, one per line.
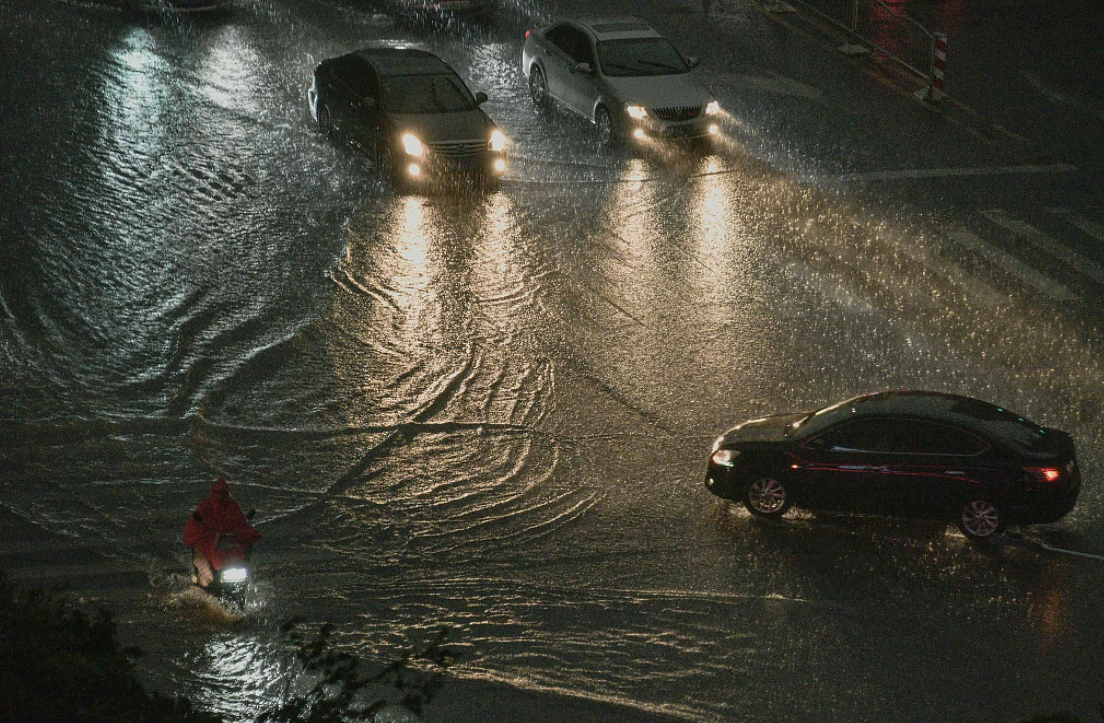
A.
pixel 235 574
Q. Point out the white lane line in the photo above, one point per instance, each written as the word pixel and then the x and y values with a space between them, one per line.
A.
pixel 1092 228
pixel 972 287
pixel 950 172
pixel 1040 240
pixel 828 287
pixel 776 84
pixel 1012 265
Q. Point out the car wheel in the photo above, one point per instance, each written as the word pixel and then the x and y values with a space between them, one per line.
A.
pixel 980 520
pixel 766 497
pixel 607 131
pixel 325 123
pixel 538 90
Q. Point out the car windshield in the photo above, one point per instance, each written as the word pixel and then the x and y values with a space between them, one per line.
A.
pixel 640 56
pixel 438 93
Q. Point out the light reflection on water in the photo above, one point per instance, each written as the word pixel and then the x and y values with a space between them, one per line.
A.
pixel 496 417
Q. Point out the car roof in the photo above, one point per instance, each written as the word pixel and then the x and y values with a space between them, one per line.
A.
pixel 404 61
pixel 617 28
pixel 984 418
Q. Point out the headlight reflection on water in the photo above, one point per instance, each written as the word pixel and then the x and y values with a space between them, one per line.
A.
pixel 239 675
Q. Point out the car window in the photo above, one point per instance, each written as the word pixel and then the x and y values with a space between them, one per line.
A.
pixel 435 93
pixel 860 435
pixel 900 436
pixel 640 56
pixel 558 36
pixel 572 41
pixel 917 437
pixel 361 78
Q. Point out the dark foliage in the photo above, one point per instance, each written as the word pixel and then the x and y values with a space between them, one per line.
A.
pixel 337 689
pixel 59 664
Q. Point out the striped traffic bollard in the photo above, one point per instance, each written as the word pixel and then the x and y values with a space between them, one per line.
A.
pixel 934 91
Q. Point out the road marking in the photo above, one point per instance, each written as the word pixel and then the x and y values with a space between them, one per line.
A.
pixel 975 288
pixel 1012 265
pixel 778 85
pixel 1040 240
pixel 1092 228
pixel 951 172
pixel 828 287
pixel 1082 102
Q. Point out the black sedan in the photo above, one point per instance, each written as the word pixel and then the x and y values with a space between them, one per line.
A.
pixel 901 453
pixel 411 112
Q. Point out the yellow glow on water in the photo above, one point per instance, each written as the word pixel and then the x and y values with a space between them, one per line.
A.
pixel 412 245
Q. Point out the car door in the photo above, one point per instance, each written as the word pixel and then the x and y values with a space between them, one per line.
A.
pixel 337 94
pixel 566 43
pixel 843 468
pixel 934 466
pixel 363 104
pixel 580 88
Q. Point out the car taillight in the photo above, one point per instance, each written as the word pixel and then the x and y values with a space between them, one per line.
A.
pixel 1045 474
pixel 526 34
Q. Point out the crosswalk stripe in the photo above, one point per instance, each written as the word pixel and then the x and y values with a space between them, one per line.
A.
pixel 1092 228
pixel 953 172
pixel 973 287
pixel 1012 265
pixel 1040 240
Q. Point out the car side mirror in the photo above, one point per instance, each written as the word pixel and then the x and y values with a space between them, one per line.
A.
pixel 583 68
pixel 251 514
pixel 693 61
pixel 480 98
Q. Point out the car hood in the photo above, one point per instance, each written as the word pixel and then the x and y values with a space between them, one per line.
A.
pixel 766 429
pixel 661 91
pixel 437 127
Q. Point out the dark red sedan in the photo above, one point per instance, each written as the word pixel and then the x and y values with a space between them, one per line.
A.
pixel 901 453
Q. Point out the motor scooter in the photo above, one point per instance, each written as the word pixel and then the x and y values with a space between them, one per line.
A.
pixel 227 575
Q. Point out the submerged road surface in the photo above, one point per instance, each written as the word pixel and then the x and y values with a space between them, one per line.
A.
pixel 492 412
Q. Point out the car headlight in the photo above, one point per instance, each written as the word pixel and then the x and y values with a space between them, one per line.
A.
pixel 637 112
pixel 726 457
pixel 712 108
pixel 498 141
pixel 412 145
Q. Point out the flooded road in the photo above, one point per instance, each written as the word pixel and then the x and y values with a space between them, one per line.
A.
pixel 492 412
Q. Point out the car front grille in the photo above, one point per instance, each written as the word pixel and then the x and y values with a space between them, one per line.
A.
pixel 459 149
pixel 679 113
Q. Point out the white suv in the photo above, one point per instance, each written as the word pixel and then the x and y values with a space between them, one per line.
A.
pixel 621 75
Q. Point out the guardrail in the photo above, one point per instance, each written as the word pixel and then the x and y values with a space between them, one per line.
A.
pixel 877 25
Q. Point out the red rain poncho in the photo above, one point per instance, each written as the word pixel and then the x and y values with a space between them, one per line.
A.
pixel 219 514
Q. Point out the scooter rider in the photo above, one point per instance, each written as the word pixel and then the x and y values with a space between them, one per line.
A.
pixel 219 514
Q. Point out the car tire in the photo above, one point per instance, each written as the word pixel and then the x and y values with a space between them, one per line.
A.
pixel 325 123
pixel 766 497
pixel 538 90
pixel 980 520
pixel 607 128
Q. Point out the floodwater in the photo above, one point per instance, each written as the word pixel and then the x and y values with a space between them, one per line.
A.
pixel 492 412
